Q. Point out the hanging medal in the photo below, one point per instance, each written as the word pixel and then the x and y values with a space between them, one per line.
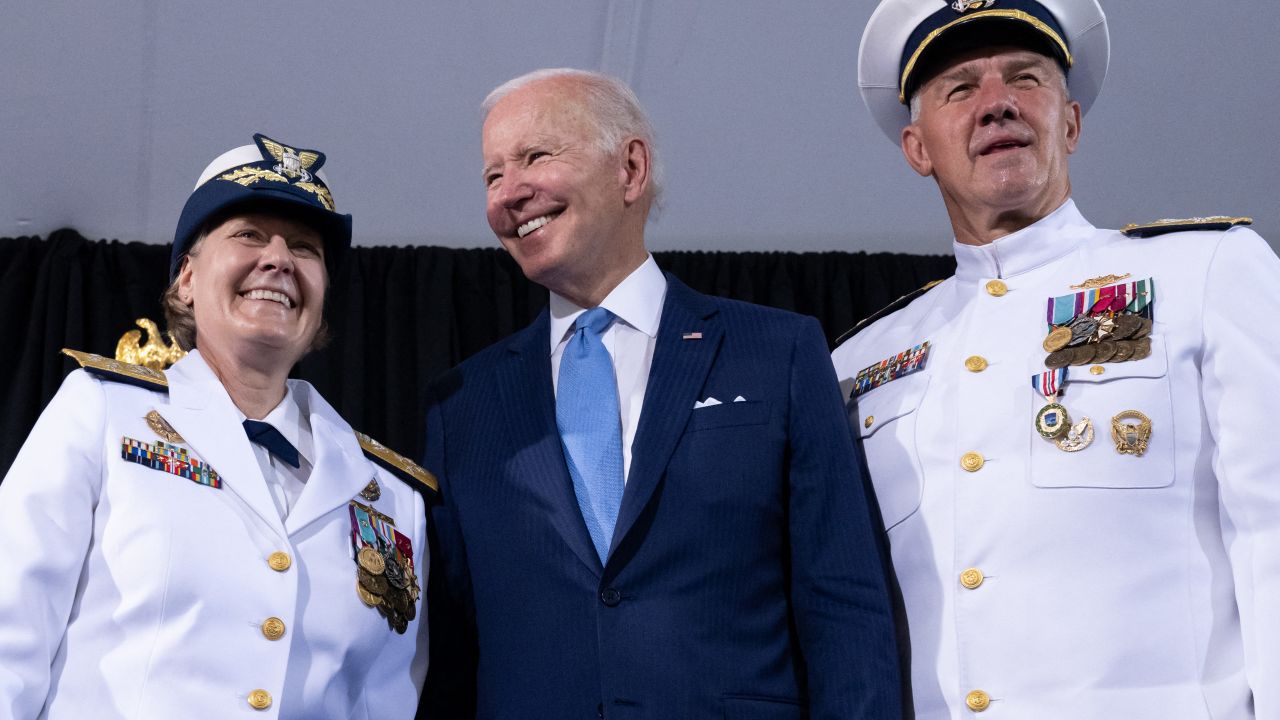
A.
pixel 1053 420
pixel 385 578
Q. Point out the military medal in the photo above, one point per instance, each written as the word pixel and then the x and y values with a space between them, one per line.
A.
pixel 1130 438
pixel 372 491
pixel 1100 324
pixel 385 579
pixel 1052 420
pixel 1078 436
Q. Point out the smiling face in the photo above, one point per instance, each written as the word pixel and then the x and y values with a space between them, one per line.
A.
pixel 570 213
pixel 995 129
pixel 256 285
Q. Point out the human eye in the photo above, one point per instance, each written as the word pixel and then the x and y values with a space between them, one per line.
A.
pixel 959 91
pixel 491 179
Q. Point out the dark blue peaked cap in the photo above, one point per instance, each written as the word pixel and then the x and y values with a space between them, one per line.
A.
pixel 266 175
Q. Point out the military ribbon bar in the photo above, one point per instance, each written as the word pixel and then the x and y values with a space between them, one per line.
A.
pixel 891 368
pixel 171 459
pixel 1050 382
pixel 1134 298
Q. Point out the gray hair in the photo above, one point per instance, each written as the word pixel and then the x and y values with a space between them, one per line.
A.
pixel 612 108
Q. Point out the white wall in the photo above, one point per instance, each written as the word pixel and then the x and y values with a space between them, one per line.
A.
pixel 110 110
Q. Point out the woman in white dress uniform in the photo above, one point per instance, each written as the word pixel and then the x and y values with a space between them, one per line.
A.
pixel 215 541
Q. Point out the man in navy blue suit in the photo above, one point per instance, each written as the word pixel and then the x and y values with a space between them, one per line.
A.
pixel 649 501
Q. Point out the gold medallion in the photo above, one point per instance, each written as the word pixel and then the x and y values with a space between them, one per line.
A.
pixel 161 427
pixel 1057 339
pixel 1131 438
pixel 367 597
pixel 1052 421
pixel 371 560
pixel 376 584
pixel 1077 438
pixel 372 491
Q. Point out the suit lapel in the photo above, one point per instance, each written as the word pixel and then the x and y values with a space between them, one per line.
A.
pixel 679 370
pixel 202 413
pixel 537 460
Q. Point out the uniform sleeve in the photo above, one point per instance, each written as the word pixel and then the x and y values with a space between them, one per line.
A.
pixel 47 504
pixel 1240 371
pixel 450 689
pixel 838 584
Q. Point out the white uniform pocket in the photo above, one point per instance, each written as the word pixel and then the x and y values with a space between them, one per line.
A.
pixel 1141 385
pixel 885 419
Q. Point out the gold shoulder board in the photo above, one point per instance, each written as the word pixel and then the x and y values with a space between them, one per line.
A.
pixel 402 466
pixel 1168 225
pixel 116 371
pixel 891 307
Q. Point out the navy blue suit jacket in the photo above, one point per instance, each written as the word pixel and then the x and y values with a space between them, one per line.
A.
pixel 743 579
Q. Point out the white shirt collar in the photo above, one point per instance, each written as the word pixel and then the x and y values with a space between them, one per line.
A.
pixel 637 301
pixel 1049 238
pixel 292 417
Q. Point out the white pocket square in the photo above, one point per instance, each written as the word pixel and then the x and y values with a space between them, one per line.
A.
pixel 739 399
pixel 709 402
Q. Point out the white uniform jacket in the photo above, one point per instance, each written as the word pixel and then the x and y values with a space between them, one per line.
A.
pixel 132 592
pixel 1107 586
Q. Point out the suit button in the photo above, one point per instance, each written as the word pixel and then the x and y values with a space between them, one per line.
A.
pixel 975 363
pixel 259 699
pixel 279 561
pixel 972 461
pixel 972 578
pixel 977 701
pixel 997 288
pixel 610 597
pixel 273 628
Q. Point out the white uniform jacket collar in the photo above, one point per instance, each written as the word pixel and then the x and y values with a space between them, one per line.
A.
pixel 203 414
pixel 1052 237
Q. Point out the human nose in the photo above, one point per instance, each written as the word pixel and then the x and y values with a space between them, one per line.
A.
pixel 996 103
pixel 276 255
pixel 513 188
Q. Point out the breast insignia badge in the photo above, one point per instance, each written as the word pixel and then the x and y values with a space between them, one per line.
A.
pixel 161 427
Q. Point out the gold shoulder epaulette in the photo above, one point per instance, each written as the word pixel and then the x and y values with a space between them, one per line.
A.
pixel 1168 225
pixel 402 466
pixel 891 307
pixel 114 370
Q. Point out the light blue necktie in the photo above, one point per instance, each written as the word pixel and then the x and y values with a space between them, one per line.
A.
pixel 591 426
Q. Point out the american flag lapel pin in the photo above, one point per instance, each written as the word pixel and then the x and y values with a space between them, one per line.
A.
pixel 691 336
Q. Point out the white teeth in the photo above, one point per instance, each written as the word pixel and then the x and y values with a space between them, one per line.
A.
pixel 270 295
pixel 535 223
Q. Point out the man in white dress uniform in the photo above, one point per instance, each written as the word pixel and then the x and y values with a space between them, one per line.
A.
pixel 214 540
pixel 1069 439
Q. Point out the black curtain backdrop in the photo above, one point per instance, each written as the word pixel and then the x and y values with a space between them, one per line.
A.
pixel 399 316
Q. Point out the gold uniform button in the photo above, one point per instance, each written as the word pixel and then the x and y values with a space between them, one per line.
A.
pixel 975 363
pixel 972 578
pixel 273 628
pixel 1097 369
pixel 259 699
pixel 996 288
pixel 871 420
pixel 972 462
pixel 279 561
pixel 977 701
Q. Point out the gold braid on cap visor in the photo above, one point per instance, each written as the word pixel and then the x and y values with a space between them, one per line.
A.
pixel 1025 17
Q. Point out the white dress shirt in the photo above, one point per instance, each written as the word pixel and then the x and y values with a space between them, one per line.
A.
pixel 630 339
pixel 283 480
